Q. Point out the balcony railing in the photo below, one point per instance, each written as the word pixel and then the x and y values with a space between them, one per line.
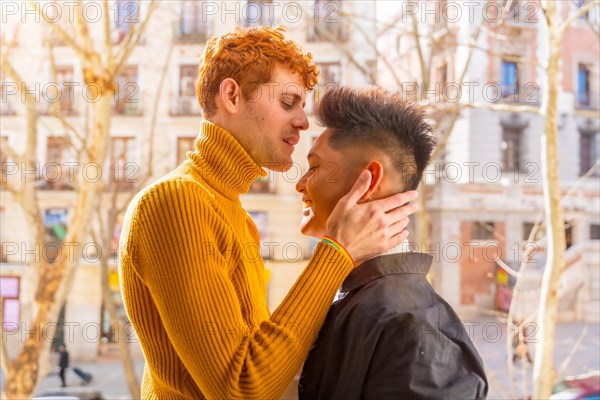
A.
pixel 128 109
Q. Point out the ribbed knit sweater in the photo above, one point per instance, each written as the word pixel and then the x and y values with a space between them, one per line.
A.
pixel 192 281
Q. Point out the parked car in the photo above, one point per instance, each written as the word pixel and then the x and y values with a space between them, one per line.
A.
pixel 583 387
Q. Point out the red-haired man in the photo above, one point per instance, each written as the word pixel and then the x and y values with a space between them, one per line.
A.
pixel 190 265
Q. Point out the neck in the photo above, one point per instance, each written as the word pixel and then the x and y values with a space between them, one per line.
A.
pixel 222 162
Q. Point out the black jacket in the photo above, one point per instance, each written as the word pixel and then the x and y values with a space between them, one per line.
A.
pixel 392 337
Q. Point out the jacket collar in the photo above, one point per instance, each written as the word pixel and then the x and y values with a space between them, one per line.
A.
pixel 222 162
pixel 389 264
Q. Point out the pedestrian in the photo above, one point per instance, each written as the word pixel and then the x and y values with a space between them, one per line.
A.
pixel 63 363
pixel 192 276
pixel 520 348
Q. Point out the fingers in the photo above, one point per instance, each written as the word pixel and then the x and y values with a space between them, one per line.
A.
pixel 399 213
pixel 398 226
pixel 397 200
pixel 358 190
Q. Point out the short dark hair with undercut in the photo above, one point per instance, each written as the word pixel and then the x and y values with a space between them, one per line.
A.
pixel 375 118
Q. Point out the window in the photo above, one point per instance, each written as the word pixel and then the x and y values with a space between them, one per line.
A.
pixel 3 255
pixel 595 232
pixel 122 168
pixel 328 23
pixel 11 307
pixel 583 85
pixel 511 153
pixel 261 220
pixel 589 147
pixel 187 102
pixel 482 231
pixel 126 98
pixel 513 12
pixel 59 95
pixel 56 174
pixel 442 76
pixel 569 233
pixel 64 77
pixel 509 79
pixel 193 24
pixel 513 127
pixel 56 221
pixel 184 144
pixel 330 77
pixel 126 14
pixel 4 159
pixel 585 16
pixel 7 97
pixel 528 227
pixel 261 185
pixel 259 13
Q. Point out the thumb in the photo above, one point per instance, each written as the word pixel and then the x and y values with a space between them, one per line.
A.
pixel 359 189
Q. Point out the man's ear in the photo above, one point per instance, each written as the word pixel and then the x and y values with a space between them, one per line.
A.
pixel 229 95
pixel 376 170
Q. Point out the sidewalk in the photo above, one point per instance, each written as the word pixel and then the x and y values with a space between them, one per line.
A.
pixel 108 378
pixel 576 352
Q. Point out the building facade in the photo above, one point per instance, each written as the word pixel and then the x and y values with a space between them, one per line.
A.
pixel 485 191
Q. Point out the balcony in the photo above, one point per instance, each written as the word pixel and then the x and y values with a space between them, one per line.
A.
pixel 128 109
pixel 63 108
pixel 261 185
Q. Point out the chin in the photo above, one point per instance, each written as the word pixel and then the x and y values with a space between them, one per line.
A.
pixel 308 230
pixel 279 166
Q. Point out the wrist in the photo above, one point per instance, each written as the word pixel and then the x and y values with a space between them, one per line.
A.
pixel 340 247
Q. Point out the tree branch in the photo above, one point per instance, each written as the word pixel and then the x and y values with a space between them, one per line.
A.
pixel 131 40
pixel 586 7
pixel 68 40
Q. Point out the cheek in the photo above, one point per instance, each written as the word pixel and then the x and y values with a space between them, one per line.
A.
pixel 325 197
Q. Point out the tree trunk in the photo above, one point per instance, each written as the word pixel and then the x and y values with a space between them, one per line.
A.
pixel 132 382
pixel 55 279
pixel 543 372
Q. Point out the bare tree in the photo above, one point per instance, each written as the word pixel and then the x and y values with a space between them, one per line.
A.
pixel 543 372
pixel 55 279
pixel 118 201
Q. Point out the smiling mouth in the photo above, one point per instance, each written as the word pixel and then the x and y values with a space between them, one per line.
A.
pixel 308 203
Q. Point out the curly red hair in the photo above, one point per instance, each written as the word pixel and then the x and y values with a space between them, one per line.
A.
pixel 248 56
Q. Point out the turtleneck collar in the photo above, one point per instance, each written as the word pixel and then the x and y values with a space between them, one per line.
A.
pixel 222 162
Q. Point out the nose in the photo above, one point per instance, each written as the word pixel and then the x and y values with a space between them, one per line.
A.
pixel 300 121
pixel 301 185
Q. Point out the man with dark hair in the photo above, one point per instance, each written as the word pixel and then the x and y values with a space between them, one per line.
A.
pixel 388 334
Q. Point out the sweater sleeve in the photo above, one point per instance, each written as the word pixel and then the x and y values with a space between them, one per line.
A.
pixel 179 258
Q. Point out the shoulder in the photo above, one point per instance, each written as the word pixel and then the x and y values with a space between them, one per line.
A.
pixel 170 195
pixel 396 296
pixel 171 209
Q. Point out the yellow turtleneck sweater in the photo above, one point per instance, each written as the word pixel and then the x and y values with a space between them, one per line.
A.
pixel 193 287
